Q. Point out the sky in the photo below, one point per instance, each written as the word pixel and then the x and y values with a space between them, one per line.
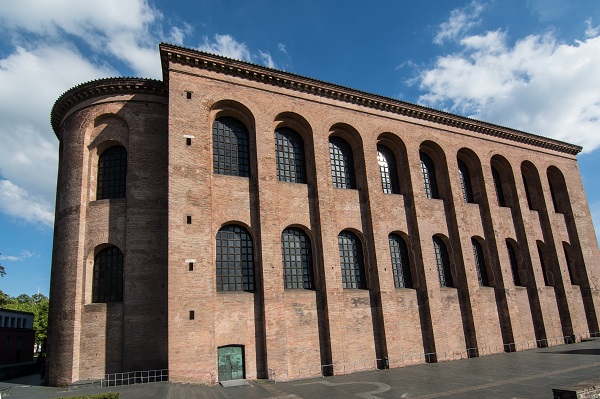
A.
pixel 532 65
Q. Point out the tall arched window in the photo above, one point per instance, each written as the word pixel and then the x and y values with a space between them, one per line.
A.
pixel 235 260
pixel 514 265
pixel 400 262
pixel 442 261
pixel 289 149
pixel 480 266
pixel 231 147
pixel 297 259
pixel 342 163
pixel 388 170
pixel 528 193
pixel 465 182
pixel 112 173
pixel 548 280
pixel 570 266
pixel 107 285
pixel 498 187
pixel 429 176
pixel 351 261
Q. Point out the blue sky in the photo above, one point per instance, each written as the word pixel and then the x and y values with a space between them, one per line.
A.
pixel 532 65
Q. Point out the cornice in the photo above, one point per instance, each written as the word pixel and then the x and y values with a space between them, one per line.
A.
pixel 273 77
pixel 102 87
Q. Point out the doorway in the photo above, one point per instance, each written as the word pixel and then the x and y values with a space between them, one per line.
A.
pixel 231 362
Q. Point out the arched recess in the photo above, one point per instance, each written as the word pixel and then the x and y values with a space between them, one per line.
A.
pixel 471 177
pixel 346 156
pixel 107 284
pixel 482 262
pixel 516 263
pixel 443 255
pixel 352 260
pixel 233 119
pixel 436 171
pixel 543 257
pixel 297 123
pixel 234 263
pixel 391 146
pixel 569 259
pixel 402 261
pixel 533 186
pixel 558 190
pixel 504 182
pixel 111 178
pixel 297 258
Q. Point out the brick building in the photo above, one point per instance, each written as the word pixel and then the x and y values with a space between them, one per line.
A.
pixel 235 221
pixel 17 336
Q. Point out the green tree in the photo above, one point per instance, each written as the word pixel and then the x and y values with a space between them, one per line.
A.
pixel 36 304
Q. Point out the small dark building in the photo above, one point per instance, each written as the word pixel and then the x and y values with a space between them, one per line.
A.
pixel 17 336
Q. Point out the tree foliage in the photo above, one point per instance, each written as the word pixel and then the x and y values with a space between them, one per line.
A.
pixel 36 304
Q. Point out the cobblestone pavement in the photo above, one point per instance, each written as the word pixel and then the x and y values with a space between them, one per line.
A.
pixel 529 374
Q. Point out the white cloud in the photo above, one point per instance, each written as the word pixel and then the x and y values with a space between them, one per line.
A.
pixel 17 258
pixel 18 203
pixel 538 84
pixel 461 20
pixel 591 30
pixel 227 46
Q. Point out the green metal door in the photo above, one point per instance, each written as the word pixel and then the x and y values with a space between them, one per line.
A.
pixel 231 363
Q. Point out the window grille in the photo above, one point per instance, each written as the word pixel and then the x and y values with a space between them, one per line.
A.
pixel 465 182
pixel 498 187
pixel 514 265
pixel 351 260
pixel 112 173
pixel 108 276
pixel 235 259
pixel 289 149
pixel 400 262
pixel 388 170
pixel 429 176
pixel 342 163
pixel 231 147
pixel 442 262
pixel 297 259
pixel 480 266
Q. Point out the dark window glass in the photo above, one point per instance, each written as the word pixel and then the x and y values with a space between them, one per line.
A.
pixel 231 147
pixel 442 261
pixel 235 259
pixel 480 266
pixel 297 259
pixel 429 177
pixel 400 262
pixel 351 260
pixel 528 193
pixel 498 186
pixel 388 170
pixel 465 182
pixel 112 173
pixel 342 163
pixel 289 150
pixel 108 276
pixel 514 265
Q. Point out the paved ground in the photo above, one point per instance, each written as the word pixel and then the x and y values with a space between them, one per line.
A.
pixel 529 374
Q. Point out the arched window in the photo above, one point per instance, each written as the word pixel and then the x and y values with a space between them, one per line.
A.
pixel 570 266
pixel 235 260
pixel 112 173
pixel 297 259
pixel 388 170
pixel 289 150
pixel 108 276
pixel 231 147
pixel 429 177
pixel 514 265
pixel 442 261
pixel 342 163
pixel 400 262
pixel 351 260
pixel 480 265
pixel 465 182
pixel 498 187
pixel 528 193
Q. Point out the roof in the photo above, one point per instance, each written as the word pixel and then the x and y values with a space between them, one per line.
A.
pixel 16 312
pixel 274 77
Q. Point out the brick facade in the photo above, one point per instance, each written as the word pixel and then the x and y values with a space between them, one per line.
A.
pixel 175 205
